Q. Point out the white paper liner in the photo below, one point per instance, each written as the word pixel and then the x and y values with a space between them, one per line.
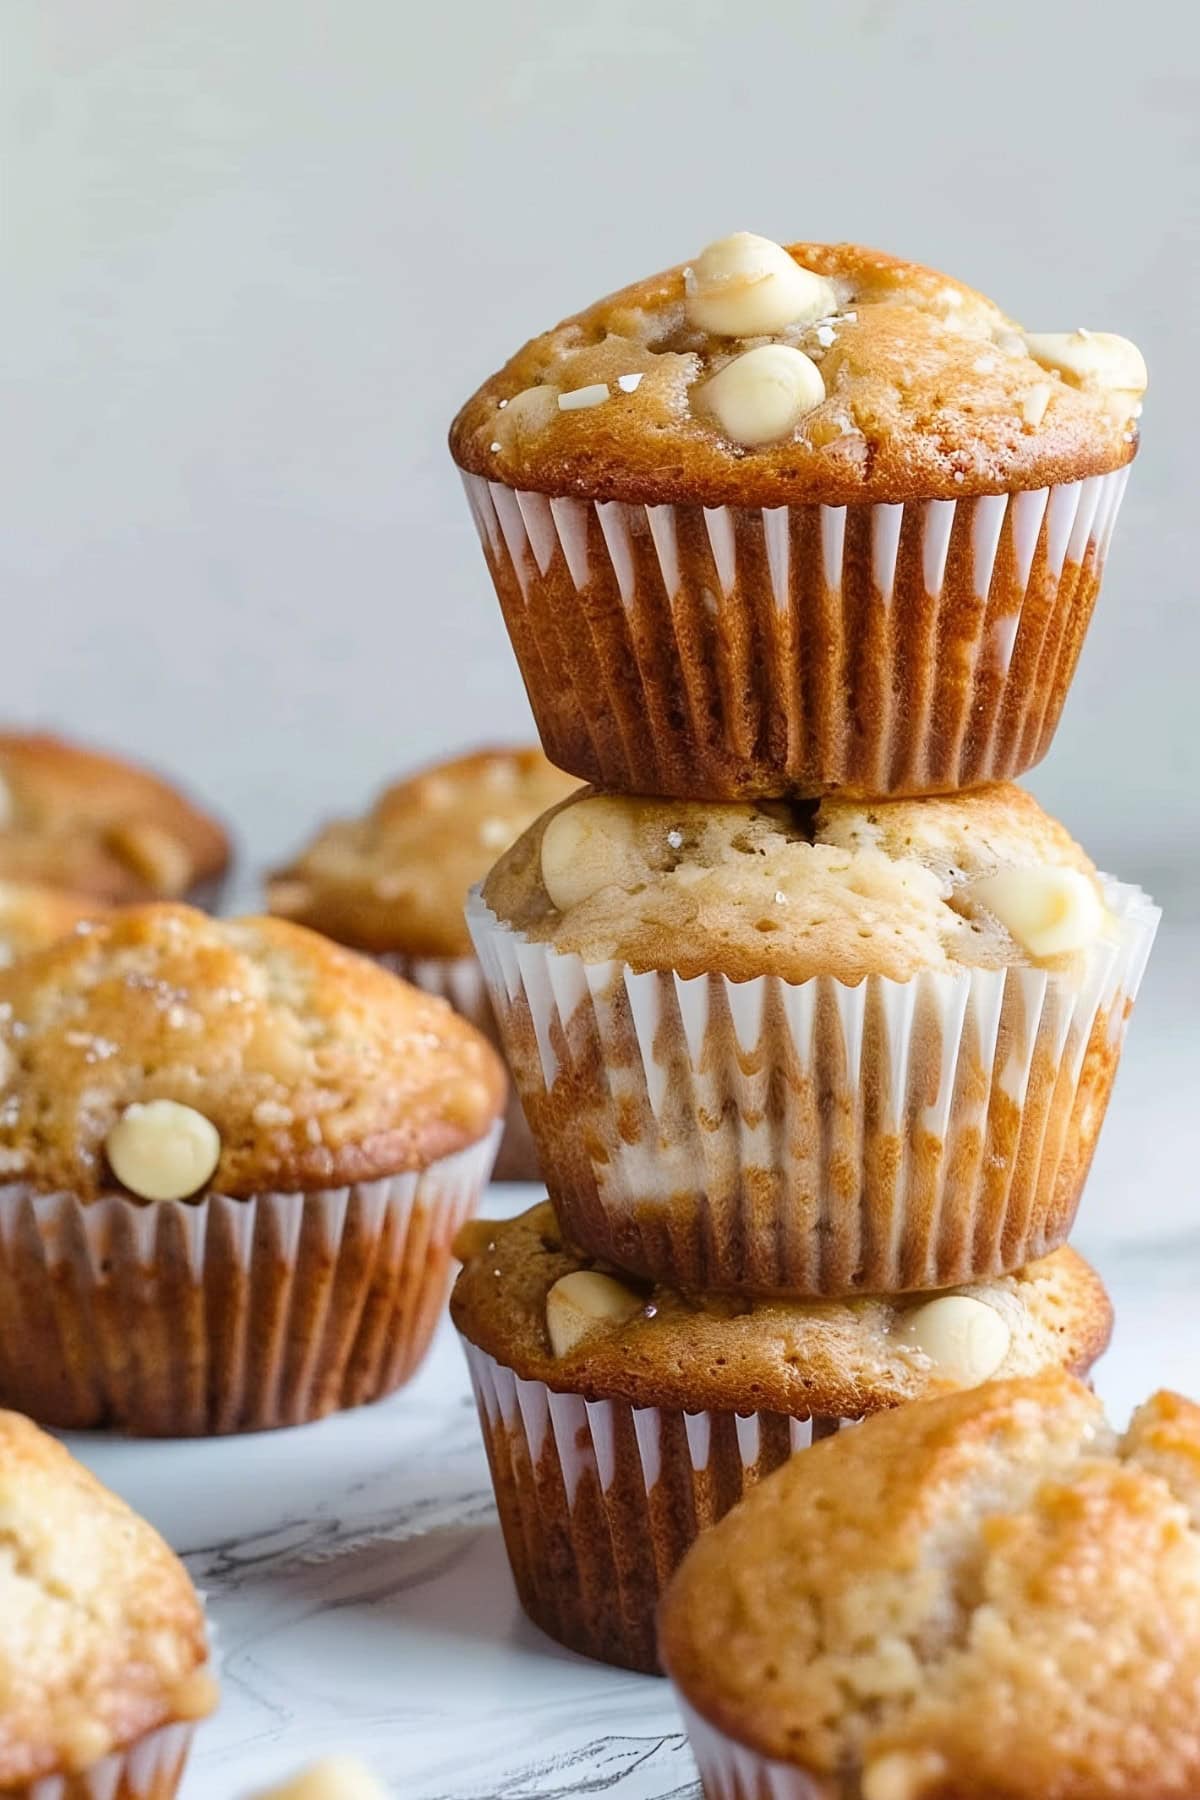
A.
pixel 176 1318
pixel 599 1500
pixel 150 1769
pixel 459 979
pixel 815 1138
pixel 732 651
pixel 731 1771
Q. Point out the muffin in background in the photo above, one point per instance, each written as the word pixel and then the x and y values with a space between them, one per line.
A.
pixel 234 1157
pixel 790 521
pixel 990 1596
pixel 394 884
pixel 103 1643
pixel 102 827
pixel 621 1419
pixel 33 915
pixel 814 1048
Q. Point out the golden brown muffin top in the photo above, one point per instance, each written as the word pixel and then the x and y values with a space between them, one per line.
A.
pixel 912 386
pixel 101 827
pixel 987 1594
pixel 32 916
pixel 316 1067
pixel 102 1636
pixel 710 1351
pixel 396 880
pixel 848 888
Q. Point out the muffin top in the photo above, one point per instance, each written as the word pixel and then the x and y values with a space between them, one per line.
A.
pixel 395 881
pixel 32 915
pixel 561 1318
pixel 820 372
pixel 987 1594
pixel 171 1053
pixel 848 888
pixel 76 819
pixel 102 1637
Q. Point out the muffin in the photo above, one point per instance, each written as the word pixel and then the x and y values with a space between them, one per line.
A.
pixel 990 1594
pixel 234 1157
pixel 393 884
pixel 789 521
pixel 622 1419
pixel 102 828
pixel 32 916
pixel 811 1048
pixel 103 1645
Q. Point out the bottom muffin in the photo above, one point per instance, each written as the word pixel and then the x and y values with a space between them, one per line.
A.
pixel 103 1644
pixel 621 1420
pixel 991 1597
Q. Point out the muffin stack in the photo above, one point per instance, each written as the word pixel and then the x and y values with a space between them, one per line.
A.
pixel 815 1043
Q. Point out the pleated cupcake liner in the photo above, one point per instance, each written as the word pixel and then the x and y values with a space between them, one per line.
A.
pixel 731 652
pixel 149 1769
pixel 599 1500
pixel 459 979
pixel 732 1771
pixel 815 1138
pixel 192 1319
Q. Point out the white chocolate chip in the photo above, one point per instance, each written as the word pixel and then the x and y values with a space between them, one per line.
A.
pixel 902 1774
pixel 748 286
pixel 582 1303
pixel 578 398
pixel 333 1778
pixel 1099 362
pixel 162 1150
pixel 1035 402
pixel 964 1338
pixel 1050 911
pixel 629 384
pixel 586 847
pixel 762 396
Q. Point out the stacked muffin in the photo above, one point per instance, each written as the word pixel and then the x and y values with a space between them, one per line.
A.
pixel 814 1015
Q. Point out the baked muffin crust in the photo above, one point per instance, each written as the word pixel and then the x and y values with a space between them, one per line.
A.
pixel 847 888
pixel 102 1636
pixel 395 880
pixel 99 826
pixel 32 916
pixel 987 1594
pixel 930 391
pixel 317 1067
pixel 717 1352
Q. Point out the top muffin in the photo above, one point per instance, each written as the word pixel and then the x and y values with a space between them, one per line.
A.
pixel 78 819
pixel 171 1053
pixel 818 373
pixel 395 881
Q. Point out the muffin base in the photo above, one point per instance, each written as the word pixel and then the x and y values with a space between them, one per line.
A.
pixel 177 1319
pixel 599 1500
pixel 813 1139
pixel 725 653
pixel 459 979
pixel 150 1769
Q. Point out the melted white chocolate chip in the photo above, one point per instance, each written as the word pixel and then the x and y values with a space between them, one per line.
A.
pixel 964 1338
pixel 582 1303
pixel 1098 361
pixel 161 1150
pixel 762 396
pixel 333 1778
pixel 1050 911
pixel 586 847
pixel 748 286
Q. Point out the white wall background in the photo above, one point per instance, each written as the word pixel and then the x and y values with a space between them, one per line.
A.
pixel 258 250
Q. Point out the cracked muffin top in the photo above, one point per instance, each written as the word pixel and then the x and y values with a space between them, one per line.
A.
pixel 608 1336
pixel 32 916
pixel 98 826
pixel 825 373
pixel 102 1636
pixel 848 888
pixel 986 1594
pixel 395 881
pixel 171 1053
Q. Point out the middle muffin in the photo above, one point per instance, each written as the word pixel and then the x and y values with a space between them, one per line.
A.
pixel 822 1049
